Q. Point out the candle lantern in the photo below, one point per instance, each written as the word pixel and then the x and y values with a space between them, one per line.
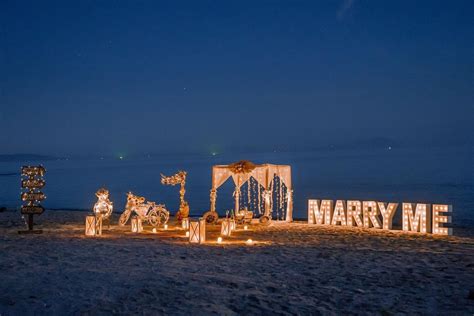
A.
pixel 90 225
pixel 226 227
pixel 233 225
pixel 197 231
pixel 98 225
pixel 137 226
pixel 185 223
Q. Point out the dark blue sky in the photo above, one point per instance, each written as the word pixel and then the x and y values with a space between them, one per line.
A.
pixel 103 77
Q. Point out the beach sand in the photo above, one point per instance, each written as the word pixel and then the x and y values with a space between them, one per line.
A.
pixel 291 269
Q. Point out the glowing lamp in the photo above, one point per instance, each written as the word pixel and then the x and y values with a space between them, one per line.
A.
pixel 219 240
pixel 153 230
pixel 246 227
pixel 166 227
pixel 91 225
pixel 233 225
pixel 185 223
pixel 249 242
pixel 226 228
pixel 187 234
pixel 197 231
pixel 137 226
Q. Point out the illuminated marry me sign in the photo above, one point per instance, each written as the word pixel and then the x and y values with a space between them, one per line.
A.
pixel 421 218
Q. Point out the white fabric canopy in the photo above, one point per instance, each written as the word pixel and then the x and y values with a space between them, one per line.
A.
pixel 263 174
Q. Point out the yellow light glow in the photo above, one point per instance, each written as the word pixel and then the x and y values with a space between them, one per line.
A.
pixel 165 227
pixel 226 228
pixel 137 226
pixel 187 234
pixel 249 242
pixel 197 231
pixel 387 214
pixel 185 223
pixel 370 213
pixel 154 230
pixel 90 225
pixel 319 212
pixel 339 214
pixel 441 215
pixel 354 213
pixel 219 240
pixel 418 222
pixel 246 227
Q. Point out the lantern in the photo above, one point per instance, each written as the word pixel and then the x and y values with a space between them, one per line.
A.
pixel 90 225
pixel 185 223
pixel 197 231
pixel 226 228
pixel 219 240
pixel 136 225
pixel 98 225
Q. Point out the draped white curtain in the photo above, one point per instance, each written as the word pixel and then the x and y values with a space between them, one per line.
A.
pixel 263 174
pixel 220 174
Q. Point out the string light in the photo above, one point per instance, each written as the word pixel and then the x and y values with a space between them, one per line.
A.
pixel 155 214
pixel 178 178
pixel 32 181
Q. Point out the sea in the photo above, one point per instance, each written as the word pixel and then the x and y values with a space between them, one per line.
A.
pixel 435 175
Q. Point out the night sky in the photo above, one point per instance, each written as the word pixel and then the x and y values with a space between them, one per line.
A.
pixel 108 77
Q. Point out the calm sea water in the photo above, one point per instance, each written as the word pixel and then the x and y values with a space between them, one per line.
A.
pixel 439 175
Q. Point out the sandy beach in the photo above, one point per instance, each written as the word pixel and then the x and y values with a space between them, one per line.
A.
pixel 291 269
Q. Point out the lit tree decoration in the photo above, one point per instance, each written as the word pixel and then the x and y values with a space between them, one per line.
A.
pixel 32 181
pixel 155 214
pixel 178 178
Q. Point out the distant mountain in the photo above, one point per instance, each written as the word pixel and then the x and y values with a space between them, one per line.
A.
pixel 25 157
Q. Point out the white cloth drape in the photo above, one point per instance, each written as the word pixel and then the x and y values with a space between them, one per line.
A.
pixel 220 174
pixel 263 174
